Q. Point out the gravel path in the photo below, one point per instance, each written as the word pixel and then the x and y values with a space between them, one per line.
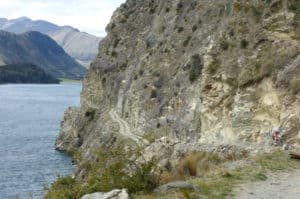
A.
pixel 277 186
pixel 124 127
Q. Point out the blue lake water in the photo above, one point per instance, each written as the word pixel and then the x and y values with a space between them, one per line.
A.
pixel 30 118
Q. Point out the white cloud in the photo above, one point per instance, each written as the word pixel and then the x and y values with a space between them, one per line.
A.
pixel 87 15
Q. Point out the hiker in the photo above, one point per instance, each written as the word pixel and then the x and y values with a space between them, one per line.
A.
pixel 276 135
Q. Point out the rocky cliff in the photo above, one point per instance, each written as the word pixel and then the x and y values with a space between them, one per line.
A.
pixel 195 72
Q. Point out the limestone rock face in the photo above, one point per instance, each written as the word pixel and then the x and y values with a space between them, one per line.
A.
pixel 218 72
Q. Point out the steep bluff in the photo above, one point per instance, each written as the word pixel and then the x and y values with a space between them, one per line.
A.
pixel 219 72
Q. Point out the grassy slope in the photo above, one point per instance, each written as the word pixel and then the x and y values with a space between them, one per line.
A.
pixel 217 181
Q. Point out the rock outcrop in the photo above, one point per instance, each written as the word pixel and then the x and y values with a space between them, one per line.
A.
pixel 203 72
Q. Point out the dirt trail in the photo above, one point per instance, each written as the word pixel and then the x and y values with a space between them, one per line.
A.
pixel 277 186
pixel 124 127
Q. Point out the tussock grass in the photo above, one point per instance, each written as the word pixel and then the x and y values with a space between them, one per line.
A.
pixel 194 164
pixel 216 181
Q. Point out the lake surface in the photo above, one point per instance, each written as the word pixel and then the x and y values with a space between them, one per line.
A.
pixel 30 118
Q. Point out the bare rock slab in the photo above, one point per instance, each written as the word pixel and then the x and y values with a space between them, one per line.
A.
pixel 175 186
pixel 114 194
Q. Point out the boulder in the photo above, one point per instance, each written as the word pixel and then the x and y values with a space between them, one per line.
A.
pixel 175 186
pixel 114 194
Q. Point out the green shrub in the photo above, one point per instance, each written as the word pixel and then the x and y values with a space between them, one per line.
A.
pixel 63 188
pixel 124 19
pixel 194 28
pixel 76 155
pixel 255 13
pixel 237 6
pixel 114 53
pixel 153 94
pixel 116 42
pixel 152 10
pixel 195 67
pixel 276 6
pixel 295 85
pixel 244 43
pixel 179 7
pixel 159 82
pixel 243 28
pixel 293 6
pixel 260 176
pixel 187 41
pixel 142 179
pixel 111 170
pixel 224 45
pixel 141 72
pixel 90 114
pixel 257 65
pixel 213 66
pixel 180 29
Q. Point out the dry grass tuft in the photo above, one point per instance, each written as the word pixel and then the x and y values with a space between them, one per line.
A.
pixel 197 163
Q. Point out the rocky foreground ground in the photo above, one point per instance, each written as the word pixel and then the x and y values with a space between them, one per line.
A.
pixel 278 186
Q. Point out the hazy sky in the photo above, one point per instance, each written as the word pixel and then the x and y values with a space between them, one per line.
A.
pixel 87 15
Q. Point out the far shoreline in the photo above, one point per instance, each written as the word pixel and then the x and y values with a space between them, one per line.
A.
pixel 67 81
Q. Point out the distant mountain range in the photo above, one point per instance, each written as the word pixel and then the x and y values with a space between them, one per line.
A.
pixel 25 73
pixel 81 46
pixel 40 50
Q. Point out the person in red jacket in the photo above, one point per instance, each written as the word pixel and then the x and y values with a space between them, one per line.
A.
pixel 276 135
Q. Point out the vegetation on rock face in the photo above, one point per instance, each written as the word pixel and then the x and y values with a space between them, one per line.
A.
pixel 295 85
pixel 111 170
pixel 25 73
pixel 213 66
pixel 195 67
